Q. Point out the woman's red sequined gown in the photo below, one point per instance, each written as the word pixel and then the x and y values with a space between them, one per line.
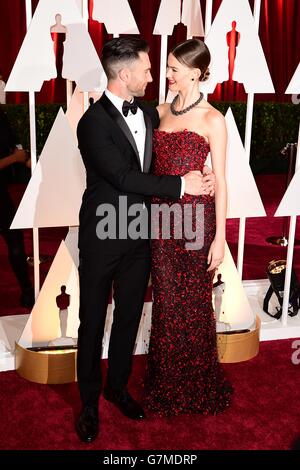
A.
pixel 183 373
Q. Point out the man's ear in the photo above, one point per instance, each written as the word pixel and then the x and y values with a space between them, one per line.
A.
pixel 124 74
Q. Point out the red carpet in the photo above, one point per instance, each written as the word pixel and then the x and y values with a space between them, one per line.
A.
pixel 257 252
pixel 264 413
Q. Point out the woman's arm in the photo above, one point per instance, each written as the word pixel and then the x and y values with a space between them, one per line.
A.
pixel 218 145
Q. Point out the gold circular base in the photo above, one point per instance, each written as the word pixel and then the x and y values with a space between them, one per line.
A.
pixel 239 347
pixel 59 367
pixel 46 367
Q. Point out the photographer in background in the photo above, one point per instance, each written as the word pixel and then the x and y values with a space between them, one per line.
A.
pixel 10 155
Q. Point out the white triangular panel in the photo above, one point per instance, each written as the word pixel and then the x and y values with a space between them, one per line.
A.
pixel 233 307
pixel 250 66
pixel 81 63
pixel 294 85
pixel 192 17
pixel 76 107
pixel 36 59
pixel 168 16
pixel 71 242
pixel 79 4
pixel 44 324
pixel 243 197
pixel 290 203
pixel 53 195
pixel 116 15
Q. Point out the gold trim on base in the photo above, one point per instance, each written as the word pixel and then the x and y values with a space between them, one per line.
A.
pixel 59 367
pixel 46 367
pixel 240 346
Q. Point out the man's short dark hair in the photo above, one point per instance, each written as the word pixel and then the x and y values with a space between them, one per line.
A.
pixel 120 51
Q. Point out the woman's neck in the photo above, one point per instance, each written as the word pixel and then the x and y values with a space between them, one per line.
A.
pixel 187 97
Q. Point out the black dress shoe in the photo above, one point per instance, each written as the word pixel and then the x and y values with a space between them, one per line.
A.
pixel 87 426
pixel 124 401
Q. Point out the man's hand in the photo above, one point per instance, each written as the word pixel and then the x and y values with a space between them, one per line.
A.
pixel 194 183
pixel 209 181
pixel 21 156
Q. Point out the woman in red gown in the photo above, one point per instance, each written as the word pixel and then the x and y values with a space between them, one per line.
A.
pixel 183 373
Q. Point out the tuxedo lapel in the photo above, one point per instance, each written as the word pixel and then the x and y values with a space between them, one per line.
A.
pixel 120 121
pixel 148 143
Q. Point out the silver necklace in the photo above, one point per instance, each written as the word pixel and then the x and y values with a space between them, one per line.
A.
pixel 185 110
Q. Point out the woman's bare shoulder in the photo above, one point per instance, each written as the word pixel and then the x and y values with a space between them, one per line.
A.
pixel 214 116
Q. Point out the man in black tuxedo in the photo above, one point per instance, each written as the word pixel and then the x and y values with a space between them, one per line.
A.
pixel 115 140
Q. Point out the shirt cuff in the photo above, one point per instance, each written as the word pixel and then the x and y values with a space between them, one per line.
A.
pixel 182 187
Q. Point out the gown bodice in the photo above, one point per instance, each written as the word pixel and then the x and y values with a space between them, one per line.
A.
pixel 179 152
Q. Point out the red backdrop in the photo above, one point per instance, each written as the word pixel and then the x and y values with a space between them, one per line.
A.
pixel 279 33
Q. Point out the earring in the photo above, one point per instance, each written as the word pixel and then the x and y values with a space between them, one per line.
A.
pixel 193 79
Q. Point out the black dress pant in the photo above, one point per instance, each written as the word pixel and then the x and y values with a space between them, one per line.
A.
pixel 126 266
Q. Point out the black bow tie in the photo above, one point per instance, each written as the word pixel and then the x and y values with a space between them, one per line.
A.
pixel 129 107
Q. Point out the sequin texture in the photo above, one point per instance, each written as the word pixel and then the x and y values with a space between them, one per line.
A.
pixel 183 372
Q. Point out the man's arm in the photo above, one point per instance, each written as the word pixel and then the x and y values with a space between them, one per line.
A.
pixel 104 156
pixel 19 156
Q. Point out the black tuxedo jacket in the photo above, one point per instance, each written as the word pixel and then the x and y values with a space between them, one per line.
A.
pixel 113 167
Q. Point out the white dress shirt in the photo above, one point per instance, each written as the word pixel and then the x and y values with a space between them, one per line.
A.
pixel 135 122
pixel 137 127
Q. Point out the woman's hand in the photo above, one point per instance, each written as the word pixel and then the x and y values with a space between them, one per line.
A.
pixel 209 181
pixel 216 254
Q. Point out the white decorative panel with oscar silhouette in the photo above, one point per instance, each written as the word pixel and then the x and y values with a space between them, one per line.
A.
pixel 36 59
pixel 170 14
pixel 191 17
pixel 54 193
pixel 116 15
pixel 44 323
pixel 230 301
pixel 243 197
pixel 236 50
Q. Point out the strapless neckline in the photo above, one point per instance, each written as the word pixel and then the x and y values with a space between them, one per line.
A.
pixel 185 131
